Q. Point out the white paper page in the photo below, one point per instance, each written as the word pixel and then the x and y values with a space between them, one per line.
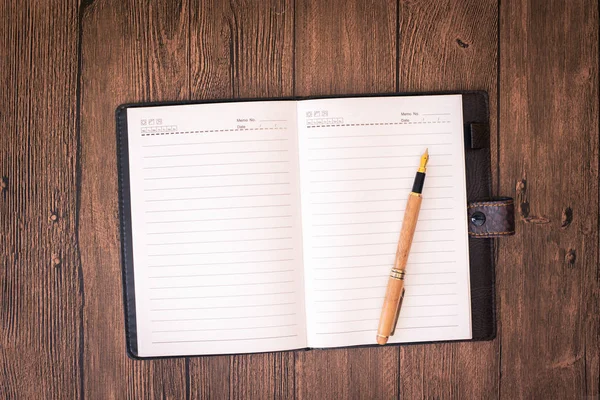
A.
pixel 217 240
pixel 358 159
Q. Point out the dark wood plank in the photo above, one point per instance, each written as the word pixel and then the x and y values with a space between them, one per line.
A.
pixel 40 271
pixel 548 274
pixel 242 50
pixel 130 53
pixel 449 46
pixel 346 47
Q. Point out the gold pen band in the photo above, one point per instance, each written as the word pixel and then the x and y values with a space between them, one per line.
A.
pixel 397 274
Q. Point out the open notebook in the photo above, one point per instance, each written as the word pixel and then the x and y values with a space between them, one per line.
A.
pixel 272 225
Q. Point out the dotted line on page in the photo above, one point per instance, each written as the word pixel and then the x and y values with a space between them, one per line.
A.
pixel 211 131
pixel 283 128
pixel 378 123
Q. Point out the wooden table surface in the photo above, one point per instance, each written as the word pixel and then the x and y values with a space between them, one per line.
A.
pixel 66 64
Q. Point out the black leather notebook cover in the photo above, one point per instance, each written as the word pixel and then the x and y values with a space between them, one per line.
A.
pixel 478 170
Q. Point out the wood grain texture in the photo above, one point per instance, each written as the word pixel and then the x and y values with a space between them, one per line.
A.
pixel 66 65
pixel 242 50
pixel 40 274
pixel 447 45
pixel 346 47
pixel 129 53
pixel 548 277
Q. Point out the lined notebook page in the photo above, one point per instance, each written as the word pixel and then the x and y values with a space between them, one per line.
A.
pixel 216 228
pixel 358 159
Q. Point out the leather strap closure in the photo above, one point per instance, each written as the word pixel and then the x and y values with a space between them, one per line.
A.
pixel 491 218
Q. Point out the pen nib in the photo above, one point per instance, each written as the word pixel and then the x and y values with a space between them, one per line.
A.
pixel 424 159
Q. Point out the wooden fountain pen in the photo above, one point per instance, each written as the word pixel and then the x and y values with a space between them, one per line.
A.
pixel 395 288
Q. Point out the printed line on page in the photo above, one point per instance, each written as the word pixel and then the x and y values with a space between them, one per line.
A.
pixel 218 208
pixel 217 154
pixel 381 297
pixel 427 327
pixel 376 190
pixel 383 222
pixel 380 146
pixel 351 310
pixel 225 142
pixel 341 332
pixel 225 296
pixel 221 241
pixel 381 243
pixel 217 164
pixel 227 274
pixel 223 340
pixel 383 254
pixel 379 276
pixel 374 329
pixel 222 318
pixel 372 157
pixel 220 263
pixel 377 200
pixel 373 319
pixel 220 252
pixel 237 328
pixel 220 197
pixel 222 230
pixel 376 168
pixel 381 287
pixel 395 178
pixel 225 285
pixel 215 175
pixel 218 219
pixel 346 320
pixel 223 307
pixel 353 288
pixel 379 308
pixel 382 211
pixel 372 136
pixel 378 233
pixel 379 265
pixel 216 186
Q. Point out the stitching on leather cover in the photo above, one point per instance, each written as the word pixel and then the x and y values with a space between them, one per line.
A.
pixel 491 233
pixel 473 205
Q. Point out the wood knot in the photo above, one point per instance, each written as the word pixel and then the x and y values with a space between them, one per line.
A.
pixel 521 186
pixel 524 209
pixel 56 260
pixel 583 76
pixel 536 220
pixel 4 184
pixel 571 257
pixel 567 217
pixel 462 44
pixel 53 217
